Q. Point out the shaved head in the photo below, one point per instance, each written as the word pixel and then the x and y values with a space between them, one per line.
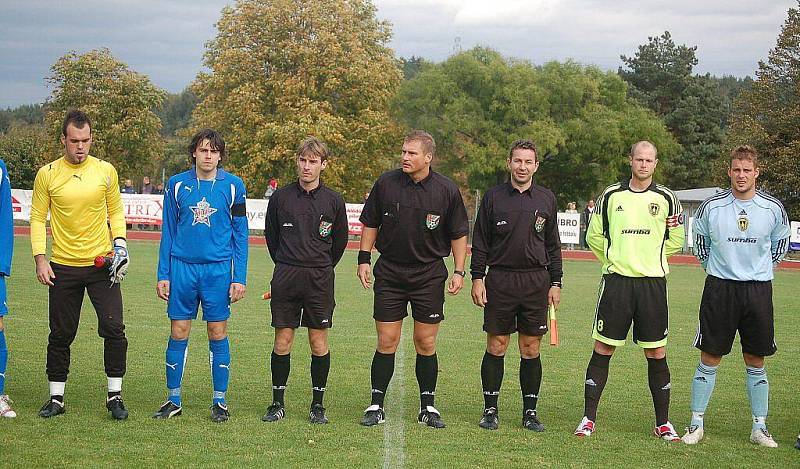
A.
pixel 643 145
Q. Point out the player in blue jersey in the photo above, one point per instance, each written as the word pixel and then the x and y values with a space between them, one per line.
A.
pixel 740 235
pixel 202 260
pixel 6 250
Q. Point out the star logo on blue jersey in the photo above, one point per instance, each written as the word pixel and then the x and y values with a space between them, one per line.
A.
pixel 202 213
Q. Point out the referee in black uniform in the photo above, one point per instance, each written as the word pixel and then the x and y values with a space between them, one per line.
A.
pixel 516 235
pixel 416 216
pixel 306 231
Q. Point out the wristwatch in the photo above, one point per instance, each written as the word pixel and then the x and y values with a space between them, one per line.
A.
pixel 460 272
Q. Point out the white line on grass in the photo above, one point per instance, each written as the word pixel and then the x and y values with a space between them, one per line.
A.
pixel 394 439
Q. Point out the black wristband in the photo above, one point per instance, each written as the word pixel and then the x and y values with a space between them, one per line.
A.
pixel 364 257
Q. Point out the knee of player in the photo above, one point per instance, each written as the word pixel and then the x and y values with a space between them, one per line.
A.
pixel 657 353
pixel 319 348
pixel 425 345
pixel 497 345
pixel 529 349
pixel 282 344
pixel 388 343
pixel 61 340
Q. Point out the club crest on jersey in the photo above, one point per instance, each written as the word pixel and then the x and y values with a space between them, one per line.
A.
pixel 432 221
pixel 743 223
pixel 325 228
pixel 202 213
pixel 538 224
pixel 654 208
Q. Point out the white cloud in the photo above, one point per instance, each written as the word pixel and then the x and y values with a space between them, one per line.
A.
pixel 165 38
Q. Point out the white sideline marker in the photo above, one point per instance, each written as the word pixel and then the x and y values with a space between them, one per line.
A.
pixel 394 439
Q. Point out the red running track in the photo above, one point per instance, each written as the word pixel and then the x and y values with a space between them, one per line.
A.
pixel 681 259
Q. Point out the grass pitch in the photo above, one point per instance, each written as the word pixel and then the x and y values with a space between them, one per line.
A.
pixel 85 436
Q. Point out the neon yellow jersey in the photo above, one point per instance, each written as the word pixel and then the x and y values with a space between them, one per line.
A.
pixel 82 200
pixel 629 233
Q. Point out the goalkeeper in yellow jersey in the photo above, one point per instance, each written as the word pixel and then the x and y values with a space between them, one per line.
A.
pixel 81 193
pixel 636 226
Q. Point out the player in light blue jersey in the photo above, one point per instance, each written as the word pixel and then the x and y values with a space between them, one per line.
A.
pixel 202 261
pixel 740 235
pixel 6 250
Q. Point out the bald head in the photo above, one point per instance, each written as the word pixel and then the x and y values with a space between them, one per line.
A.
pixel 643 145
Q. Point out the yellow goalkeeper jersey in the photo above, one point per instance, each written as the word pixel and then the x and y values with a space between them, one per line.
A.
pixel 629 232
pixel 82 200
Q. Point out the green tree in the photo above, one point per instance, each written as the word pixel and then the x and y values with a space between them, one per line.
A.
pixel 24 148
pixel 176 112
pixel 660 77
pixel 120 102
pixel 477 103
pixel 412 66
pixel 280 70
pixel 25 114
pixel 767 116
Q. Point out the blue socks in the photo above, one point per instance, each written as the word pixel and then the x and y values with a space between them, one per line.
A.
pixel 705 376
pixel 175 361
pixel 219 356
pixel 758 392
pixel 3 361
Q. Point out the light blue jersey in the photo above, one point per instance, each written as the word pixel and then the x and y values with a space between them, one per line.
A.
pixel 741 239
pixel 204 222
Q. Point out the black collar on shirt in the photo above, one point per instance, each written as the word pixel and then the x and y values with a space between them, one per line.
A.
pixel 512 190
pixel 312 193
pixel 424 183
pixel 626 184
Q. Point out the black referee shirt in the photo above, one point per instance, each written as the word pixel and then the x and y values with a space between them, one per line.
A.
pixel 306 229
pixel 517 231
pixel 416 221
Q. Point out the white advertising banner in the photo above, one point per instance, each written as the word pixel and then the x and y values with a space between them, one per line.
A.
pixel 21 204
pixel 148 209
pixel 794 241
pixel 353 214
pixel 142 208
pixel 569 227
pixel 256 213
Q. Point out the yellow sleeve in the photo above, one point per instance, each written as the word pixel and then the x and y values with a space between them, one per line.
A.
pixel 594 234
pixel 116 214
pixel 677 234
pixel 40 205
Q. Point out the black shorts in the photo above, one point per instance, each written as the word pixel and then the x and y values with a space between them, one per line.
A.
pixel 517 301
pixel 302 296
pixel 731 305
pixel 638 300
pixel 398 284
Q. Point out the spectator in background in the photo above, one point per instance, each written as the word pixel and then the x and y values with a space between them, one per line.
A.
pixel 147 188
pixel 128 188
pixel 159 189
pixel 571 208
pixel 272 186
pixel 588 211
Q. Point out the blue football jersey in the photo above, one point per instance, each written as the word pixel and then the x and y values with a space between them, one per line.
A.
pixel 6 222
pixel 741 239
pixel 204 221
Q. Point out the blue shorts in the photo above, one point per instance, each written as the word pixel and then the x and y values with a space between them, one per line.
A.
pixel 199 284
pixel 3 297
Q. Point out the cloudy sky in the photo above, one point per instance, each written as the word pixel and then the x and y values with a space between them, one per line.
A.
pixel 164 39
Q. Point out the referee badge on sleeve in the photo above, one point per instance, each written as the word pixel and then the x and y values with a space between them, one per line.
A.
pixel 325 228
pixel 432 221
